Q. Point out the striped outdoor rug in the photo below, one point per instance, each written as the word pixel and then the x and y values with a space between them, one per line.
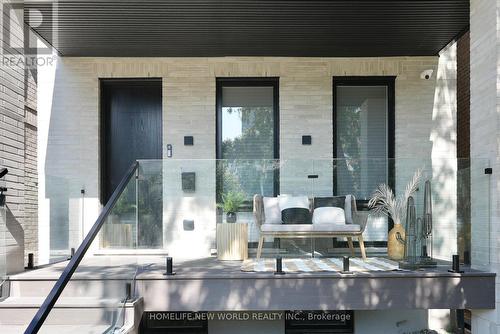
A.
pixel 319 264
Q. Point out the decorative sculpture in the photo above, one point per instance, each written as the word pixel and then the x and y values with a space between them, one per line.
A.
pixel 384 202
pixel 418 241
pixel 426 229
pixel 411 257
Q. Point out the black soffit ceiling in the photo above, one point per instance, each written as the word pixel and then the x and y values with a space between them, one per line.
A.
pixel 194 28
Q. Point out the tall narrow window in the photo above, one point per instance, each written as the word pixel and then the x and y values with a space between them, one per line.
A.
pixel 247 136
pixel 363 134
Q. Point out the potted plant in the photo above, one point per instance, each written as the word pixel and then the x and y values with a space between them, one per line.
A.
pixel 231 202
pixel 384 202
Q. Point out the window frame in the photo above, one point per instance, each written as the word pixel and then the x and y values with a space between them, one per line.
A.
pixel 386 81
pixel 247 82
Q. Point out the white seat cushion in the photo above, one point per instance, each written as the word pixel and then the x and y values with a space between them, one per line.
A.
pixel 336 228
pixel 287 228
pixel 272 212
pixel 328 215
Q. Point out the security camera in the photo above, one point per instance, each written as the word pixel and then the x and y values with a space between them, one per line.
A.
pixel 427 74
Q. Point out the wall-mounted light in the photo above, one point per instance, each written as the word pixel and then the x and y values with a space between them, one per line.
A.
pixel 169 150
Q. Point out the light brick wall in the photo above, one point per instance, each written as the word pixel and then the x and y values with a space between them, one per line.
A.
pixel 18 148
pixel 425 123
pixel 12 135
pixel 485 146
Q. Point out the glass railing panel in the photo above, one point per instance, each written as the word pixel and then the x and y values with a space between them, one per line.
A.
pixel 189 207
pixel 359 178
pixel 476 232
pixel 194 193
pixel 297 178
pixel 120 228
pixel 150 205
pixel 68 209
pixel 202 210
pixel 93 296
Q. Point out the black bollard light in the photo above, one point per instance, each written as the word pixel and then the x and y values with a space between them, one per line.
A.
pixel 31 263
pixel 279 266
pixel 455 264
pixel 346 263
pixel 170 266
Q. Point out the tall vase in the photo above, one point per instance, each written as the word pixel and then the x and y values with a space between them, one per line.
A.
pixel 395 242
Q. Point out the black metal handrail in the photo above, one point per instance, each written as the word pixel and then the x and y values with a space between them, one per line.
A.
pixel 44 310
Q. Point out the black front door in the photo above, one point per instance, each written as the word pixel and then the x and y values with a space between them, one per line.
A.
pixel 131 114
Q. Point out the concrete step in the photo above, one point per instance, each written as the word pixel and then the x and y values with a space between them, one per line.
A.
pixel 59 329
pixel 74 311
pixel 94 314
pixel 75 288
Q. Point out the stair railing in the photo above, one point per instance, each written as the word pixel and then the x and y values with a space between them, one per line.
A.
pixel 44 310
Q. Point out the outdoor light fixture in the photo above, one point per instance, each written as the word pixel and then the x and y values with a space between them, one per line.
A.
pixel 3 172
pixel 169 267
pixel 279 266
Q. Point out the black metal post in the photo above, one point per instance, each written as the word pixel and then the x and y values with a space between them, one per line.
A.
pixel 31 262
pixel 128 291
pixel 455 264
pixel 279 266
pixel 72 253
pixel 169 266
pixel 346 263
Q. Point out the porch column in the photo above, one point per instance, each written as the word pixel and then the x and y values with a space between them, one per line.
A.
pixel 485 144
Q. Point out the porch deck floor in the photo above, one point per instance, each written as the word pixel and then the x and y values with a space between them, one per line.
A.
pixel 153 267
pixel 203 284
